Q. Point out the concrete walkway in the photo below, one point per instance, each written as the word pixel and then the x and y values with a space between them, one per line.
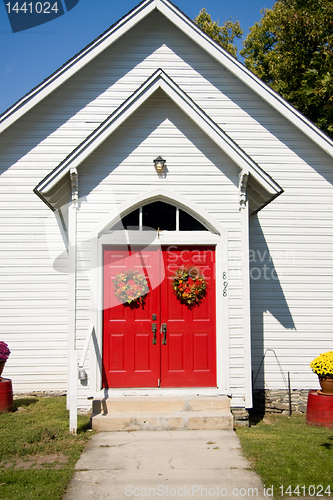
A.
pixel 169 464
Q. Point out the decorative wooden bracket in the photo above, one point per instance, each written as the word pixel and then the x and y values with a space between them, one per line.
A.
pixel 243 179
pixel 74 186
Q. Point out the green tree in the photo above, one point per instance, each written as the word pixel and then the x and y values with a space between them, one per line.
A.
pixel 291 49
pixel 224 35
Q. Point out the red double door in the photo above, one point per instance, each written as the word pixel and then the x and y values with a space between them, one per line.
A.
pixel 182 352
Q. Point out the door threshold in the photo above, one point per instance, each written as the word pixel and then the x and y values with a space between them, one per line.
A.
pixel 159 391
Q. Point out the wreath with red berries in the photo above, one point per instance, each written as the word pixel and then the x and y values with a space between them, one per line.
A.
pixel 189 286
pixel 130 287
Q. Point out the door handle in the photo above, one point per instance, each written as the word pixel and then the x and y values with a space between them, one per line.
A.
pixel 164 331
pixel 154 330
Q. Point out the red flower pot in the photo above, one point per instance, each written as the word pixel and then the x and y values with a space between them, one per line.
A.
pixel 6 395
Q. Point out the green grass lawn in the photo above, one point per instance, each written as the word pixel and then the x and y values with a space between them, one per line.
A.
pixel 38 455
pixel 37 452
pixel 285 451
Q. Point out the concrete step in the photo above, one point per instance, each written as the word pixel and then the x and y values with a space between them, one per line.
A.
pixel 161 404
pixel 162 413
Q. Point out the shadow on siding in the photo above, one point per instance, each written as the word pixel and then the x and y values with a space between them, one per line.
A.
pixel 267 296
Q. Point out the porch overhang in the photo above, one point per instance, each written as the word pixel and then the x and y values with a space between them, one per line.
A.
pixel 262 188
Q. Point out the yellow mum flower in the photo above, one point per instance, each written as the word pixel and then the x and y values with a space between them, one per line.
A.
pixel 322 365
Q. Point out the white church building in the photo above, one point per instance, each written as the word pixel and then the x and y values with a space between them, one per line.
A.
pixel 154 151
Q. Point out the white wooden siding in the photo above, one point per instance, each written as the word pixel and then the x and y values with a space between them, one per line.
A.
pixel 33 296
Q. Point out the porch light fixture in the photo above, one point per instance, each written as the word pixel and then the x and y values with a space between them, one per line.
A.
pixel 159 164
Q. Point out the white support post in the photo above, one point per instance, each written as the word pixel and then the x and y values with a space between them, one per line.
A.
pixel 72 370
pixel 72 391
pixel 222 315
pixel 244 209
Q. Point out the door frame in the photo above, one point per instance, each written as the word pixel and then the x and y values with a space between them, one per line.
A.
pixel 215 236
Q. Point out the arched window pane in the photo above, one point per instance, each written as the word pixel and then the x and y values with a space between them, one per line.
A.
pixel 130 221
pixel 189 223
pixel 159 215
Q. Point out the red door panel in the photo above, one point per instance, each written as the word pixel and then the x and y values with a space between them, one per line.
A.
pixel 189 357
pixel 130 359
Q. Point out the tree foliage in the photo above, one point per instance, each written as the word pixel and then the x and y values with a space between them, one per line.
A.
pixel 291 49
pixel 224 35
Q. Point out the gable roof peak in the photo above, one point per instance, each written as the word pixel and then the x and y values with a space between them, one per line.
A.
pixel 189 28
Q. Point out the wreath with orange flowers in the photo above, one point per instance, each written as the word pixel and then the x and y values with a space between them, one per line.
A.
pixel 130 287
pixel 189 286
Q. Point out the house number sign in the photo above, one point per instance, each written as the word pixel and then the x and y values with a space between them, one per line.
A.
pixel 225 285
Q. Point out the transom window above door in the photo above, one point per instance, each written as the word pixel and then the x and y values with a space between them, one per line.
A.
pixel 159 216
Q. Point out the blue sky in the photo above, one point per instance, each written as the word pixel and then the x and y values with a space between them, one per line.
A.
pixel 30 56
